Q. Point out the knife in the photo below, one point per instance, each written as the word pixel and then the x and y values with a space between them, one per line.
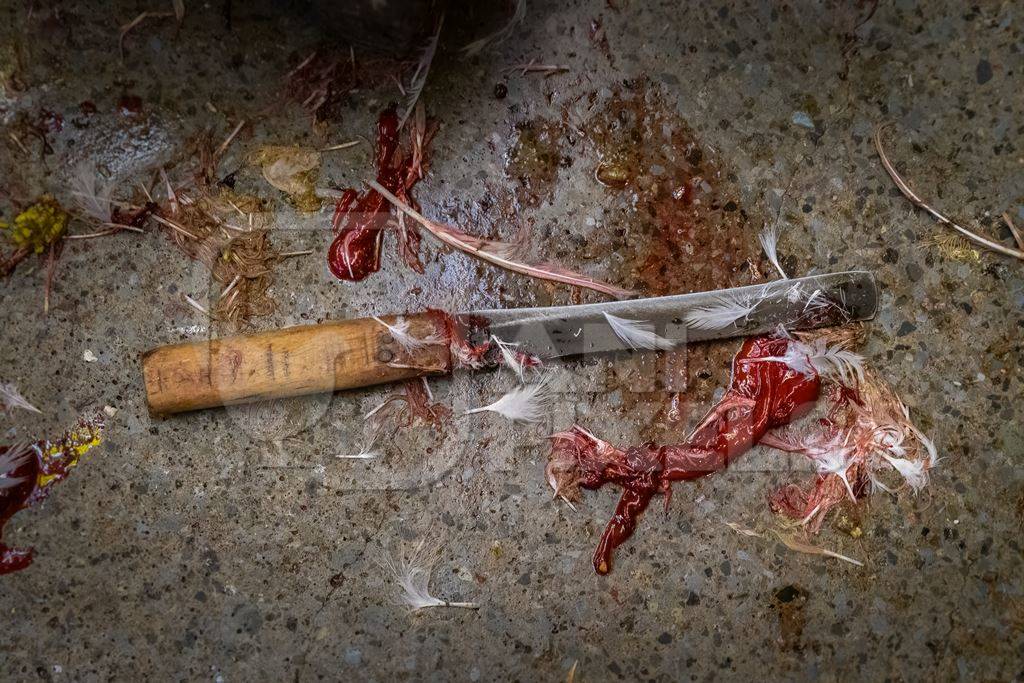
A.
pixel 348 354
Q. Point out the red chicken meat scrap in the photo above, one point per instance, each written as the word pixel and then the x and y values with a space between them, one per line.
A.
pixel 865 439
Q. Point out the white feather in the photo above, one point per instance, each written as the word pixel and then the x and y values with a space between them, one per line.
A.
pixel 526 403
pixel 721 313
pixel 11 398
pixel 819 301
pixel 92 193
pixel 362 455
pixel 816 301
pixel 412 573
pixel 914 472
pixel 501 34
pixel 834 461
pixel 638 334
pixel 419 76
pixel 511 359
pixel 400 332
pixel 769 239
pixel 839 363
pixel 820 359
pixel 929 445
pixel 10 460
pixel 795 293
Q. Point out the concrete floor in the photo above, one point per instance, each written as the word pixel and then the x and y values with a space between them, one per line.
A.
pixel 232 545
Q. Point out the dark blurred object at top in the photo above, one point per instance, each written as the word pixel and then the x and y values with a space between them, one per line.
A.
pixel 384 28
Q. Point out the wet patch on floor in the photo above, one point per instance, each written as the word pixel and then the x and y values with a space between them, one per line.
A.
pixel 673 213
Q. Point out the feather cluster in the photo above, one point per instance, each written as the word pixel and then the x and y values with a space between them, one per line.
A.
pixel 10 460
pixel 92 194
pixel 527 403
pixel 769 239
pixel 723 311
pixel 638 334
pixel 411 573
pixel 868 432
pixel 11 398
pixel 477 46
pixel 497 253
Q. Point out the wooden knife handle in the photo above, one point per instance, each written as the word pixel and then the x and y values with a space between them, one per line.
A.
pixel 291 362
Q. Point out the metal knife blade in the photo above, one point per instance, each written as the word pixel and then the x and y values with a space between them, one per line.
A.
pixel 799 303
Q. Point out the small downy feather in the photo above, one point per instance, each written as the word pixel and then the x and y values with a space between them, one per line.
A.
pixel 419 76
pixel 511 358
pixel 411 573
pixel 721 313
pixel 769 239
pixel 92 194
pixel 367 451
pixel 794 543
pixel 914 472
pixel 367 454
pixel 10 460
pixel 527 403
pixel 400 332
pixel 501 34
pixel 638 334
pixel 802 547
pixel 11 398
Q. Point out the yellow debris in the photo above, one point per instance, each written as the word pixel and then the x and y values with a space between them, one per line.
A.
pixel 38 226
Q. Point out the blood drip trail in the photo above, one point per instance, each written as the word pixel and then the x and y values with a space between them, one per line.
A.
pixel 761 395
pixel 48 462
pixel 359 219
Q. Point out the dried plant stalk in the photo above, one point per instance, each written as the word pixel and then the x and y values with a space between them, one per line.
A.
pixel 921 204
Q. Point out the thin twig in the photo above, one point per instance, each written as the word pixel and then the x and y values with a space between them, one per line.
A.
pixel 172 196
pixel 301 65
pixel 227 141
pixel 1013 229
pixel 344 145
pixel 533 67
pixel 289 254
pixel 230 287
pixel 145 191
pixel 174 226
pixel 14 138
pixel 113 229
pixel 51 267
pixel 921 204
pixel 196 305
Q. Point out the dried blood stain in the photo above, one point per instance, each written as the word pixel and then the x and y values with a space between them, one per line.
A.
pixel 535 158
pixel 675 216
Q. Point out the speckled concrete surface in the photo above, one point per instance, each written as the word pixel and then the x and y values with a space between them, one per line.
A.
pixel 232 545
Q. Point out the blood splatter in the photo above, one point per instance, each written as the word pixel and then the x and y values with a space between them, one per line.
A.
pixel 27 473
pixel 360 218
